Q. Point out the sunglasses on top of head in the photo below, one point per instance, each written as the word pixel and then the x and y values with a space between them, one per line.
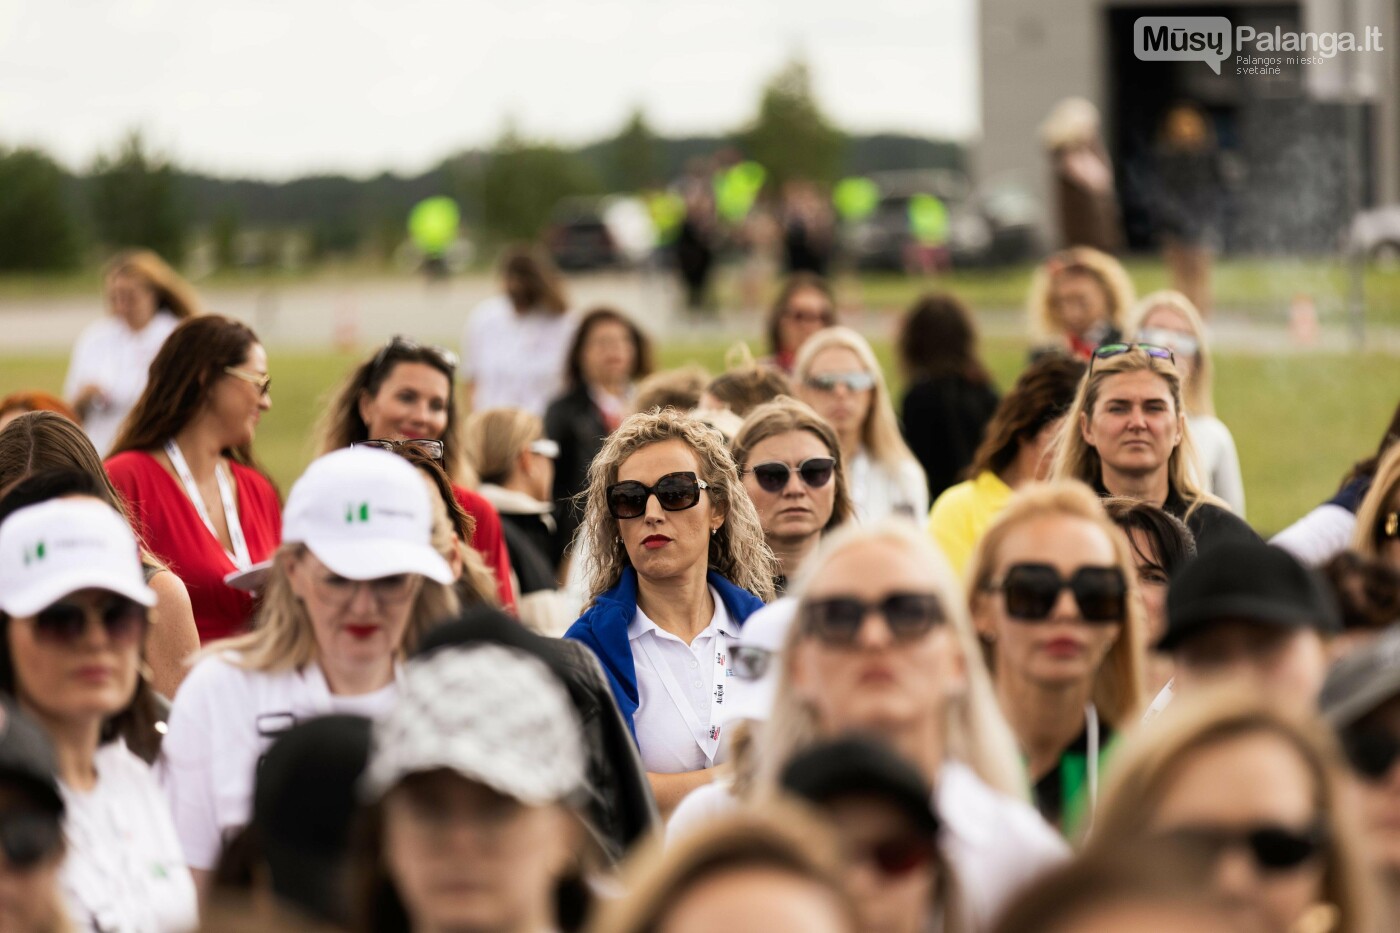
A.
pixel 1110 350
pixel 675 492
pixel 405 345
pixel 1031 591
pixel 772 476
pixel 65 623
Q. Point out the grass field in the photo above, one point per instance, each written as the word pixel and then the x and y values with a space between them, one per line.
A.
pixel 1298 420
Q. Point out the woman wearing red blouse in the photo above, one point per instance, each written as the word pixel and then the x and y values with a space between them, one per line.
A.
pixel 406 391
pixel 184 464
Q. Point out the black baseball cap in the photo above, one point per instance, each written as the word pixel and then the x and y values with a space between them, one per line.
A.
pixel 1247 581
pixel 26 756
pixel 860 766
pixel 304 802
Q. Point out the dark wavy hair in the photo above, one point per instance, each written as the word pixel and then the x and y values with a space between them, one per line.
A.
pixel 642 364
pixel 184 372
pixel 1042 393
pixel 938 339
pixel 536 278
pixel 1172 542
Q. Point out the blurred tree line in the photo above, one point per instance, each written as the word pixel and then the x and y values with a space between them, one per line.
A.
pixel 52 219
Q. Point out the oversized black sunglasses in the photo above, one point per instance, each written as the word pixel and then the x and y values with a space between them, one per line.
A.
pixel 1030 591
pixel 1275 849
pixel 1371 752
pixel 773 475
pixel 675 492
pixel 64 623
pixel 837 621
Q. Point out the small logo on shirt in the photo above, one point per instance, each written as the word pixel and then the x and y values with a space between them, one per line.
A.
pixel 714 733
pixel 719 695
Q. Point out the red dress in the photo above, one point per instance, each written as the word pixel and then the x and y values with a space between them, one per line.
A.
pixel 488 540
pixel 170 526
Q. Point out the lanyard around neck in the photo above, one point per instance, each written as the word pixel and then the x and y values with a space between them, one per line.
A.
pixel 239 556
pixel 706 734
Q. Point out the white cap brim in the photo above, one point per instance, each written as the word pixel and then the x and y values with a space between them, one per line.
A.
pixel 750 699
pixel 368 560
pixel 251 580
pixel 31 600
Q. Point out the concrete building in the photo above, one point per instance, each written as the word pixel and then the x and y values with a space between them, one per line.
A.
pixel 1285 137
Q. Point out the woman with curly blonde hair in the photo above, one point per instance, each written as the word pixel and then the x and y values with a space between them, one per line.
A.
pixel 1079 299
pixel 677 563
pixel 1256 791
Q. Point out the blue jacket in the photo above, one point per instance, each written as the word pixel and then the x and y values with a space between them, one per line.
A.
pixel 603 627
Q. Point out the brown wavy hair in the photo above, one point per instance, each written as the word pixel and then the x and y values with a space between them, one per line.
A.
pixel 1108 272
pixel 183 374
pixel 1043 392
pixel 937 339
pixel 341 424
pixel 172 292
pixel 539 284
pixel 642 364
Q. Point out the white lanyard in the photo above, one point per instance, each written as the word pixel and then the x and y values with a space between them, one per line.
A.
pixel 706 734
pixel 1091 715
pixel 239 556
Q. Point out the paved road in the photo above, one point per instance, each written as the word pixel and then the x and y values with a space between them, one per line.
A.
pixel 324 313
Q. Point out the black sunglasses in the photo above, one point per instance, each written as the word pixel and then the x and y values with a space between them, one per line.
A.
pixel 1371 753
pixel 898 856
pixel 1156 351
pixel 675 492
pixel 1275 849
pixel 29 836
pixel 1031 591
pixel 837 621
pixel 772 476
pixel 424 445
pixel 406 345
pixel 65 623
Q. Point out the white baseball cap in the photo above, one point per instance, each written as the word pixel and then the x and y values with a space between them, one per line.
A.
pixel 765 630
pixel 55 548
pixel 365 513
pixel 492 714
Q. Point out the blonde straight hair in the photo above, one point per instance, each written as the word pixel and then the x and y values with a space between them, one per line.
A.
pixel 880 434
pixel 495 438
pixel 1199 390
pixel 1119 683
pixel 1374 506
pixel 282 638
pixel 1079 260
pixel 1075 459
pixel 975 732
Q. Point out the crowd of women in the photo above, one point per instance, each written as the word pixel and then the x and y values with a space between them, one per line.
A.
pixel 585 646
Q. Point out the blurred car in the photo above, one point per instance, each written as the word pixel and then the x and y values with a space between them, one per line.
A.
pixel 599 233
pixel 1375 234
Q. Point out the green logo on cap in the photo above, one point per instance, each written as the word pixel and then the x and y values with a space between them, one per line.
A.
pixel 353 514
pixel 34 554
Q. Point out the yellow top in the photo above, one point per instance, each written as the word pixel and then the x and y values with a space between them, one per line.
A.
pixel 961 515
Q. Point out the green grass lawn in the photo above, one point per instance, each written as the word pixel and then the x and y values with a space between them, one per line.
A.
pixel 1298 420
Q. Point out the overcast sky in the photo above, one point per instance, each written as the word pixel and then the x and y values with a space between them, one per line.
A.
pixel 275 88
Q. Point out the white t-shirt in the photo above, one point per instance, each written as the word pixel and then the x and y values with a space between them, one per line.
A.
pixel 110 355
pixel 1319 536
pixel 124 871
pixel 1219 461
pixel 675 738
pixel 221 723
pixel 879 491
pixel 995 844
pixel 515 360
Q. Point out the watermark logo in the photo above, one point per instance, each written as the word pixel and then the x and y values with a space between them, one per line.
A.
pixel 1215 40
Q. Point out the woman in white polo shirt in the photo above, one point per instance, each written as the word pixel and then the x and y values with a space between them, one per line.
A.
pixel 73 613
pixel 354 585
pixel 677 564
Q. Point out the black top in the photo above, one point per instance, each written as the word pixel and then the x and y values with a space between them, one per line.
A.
pixel 530 543
pixel 576 425
pixel 943 421
pixel 1210 524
